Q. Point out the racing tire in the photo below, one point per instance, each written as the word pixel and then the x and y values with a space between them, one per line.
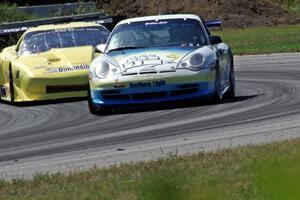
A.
pixel 231 93
pixel 0 95
pixel 11 86
pixel 218 90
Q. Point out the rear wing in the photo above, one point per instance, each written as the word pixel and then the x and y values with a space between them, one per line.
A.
pixel 19 27
pixel 211 24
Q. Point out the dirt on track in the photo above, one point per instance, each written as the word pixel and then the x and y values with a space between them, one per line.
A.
pixel 235 13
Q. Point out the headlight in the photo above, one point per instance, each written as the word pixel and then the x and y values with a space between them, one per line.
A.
pixel 194 61
pixel 104 68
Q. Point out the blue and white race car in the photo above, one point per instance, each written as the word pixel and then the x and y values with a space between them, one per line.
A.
pixel 158 59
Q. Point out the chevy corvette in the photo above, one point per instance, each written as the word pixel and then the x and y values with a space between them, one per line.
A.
pixel 50 62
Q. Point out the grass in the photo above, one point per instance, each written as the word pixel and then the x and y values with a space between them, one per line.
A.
pixel 10 13
pixel 269 171
pixel 262 40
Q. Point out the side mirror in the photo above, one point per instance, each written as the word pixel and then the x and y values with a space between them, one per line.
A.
pixel 100 48
pixel 215 39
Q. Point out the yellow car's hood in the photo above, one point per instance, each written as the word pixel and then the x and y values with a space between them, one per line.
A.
pixel 58 62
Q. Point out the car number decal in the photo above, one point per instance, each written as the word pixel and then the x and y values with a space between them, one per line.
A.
pixel 155 83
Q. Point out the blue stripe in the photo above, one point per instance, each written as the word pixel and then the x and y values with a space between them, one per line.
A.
pixel 168 92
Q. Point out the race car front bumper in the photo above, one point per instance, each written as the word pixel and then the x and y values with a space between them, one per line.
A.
pixel 50 88
pixel 153 88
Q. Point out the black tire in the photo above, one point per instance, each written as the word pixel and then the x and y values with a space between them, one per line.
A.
pixel 0 96
pixel 231 93
pixel 218 91
pixel 11 85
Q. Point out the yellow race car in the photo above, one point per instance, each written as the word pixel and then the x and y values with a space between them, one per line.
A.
pixel 50 62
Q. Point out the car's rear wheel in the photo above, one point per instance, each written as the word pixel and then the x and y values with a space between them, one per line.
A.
pixel 11 85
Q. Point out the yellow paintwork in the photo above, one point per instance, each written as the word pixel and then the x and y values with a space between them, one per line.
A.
pixel 66 67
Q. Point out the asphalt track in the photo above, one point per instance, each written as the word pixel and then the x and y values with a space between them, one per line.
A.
pixel 64 136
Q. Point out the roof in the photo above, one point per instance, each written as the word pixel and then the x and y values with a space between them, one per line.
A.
pixel 159 17
pixel 61 26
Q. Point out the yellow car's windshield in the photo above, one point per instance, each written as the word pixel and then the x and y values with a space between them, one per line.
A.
pixel 41 41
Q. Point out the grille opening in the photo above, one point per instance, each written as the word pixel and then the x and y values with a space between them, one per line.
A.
pixel 183 92
pixel 167 71
pixel 66 88
pixel 116 97
pixel 110 92
pixel 129 74
pixel 189 86
pixel 153 72
pixel 149 95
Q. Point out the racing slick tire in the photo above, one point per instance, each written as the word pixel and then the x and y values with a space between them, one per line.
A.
pixel 0 95
pixel 11 86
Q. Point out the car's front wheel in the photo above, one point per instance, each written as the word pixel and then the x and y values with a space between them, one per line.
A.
pixel 1 94
pixel 11 85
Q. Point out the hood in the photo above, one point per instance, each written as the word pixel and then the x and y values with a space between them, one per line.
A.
pixel 57 60
pixel 150 59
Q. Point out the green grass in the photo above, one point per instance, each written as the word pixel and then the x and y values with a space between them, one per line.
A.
pixel 269 171
pixel 262 40
pixel 10 13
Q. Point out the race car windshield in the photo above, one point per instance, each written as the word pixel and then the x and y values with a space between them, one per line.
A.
pixel 41 41
pixel 175 32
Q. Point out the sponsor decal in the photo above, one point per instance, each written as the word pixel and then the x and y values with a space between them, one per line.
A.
pixel 156 23
pixel 67 69
pixel 13 30
pixel 145 60
pixel 173 56
pixel 155 83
